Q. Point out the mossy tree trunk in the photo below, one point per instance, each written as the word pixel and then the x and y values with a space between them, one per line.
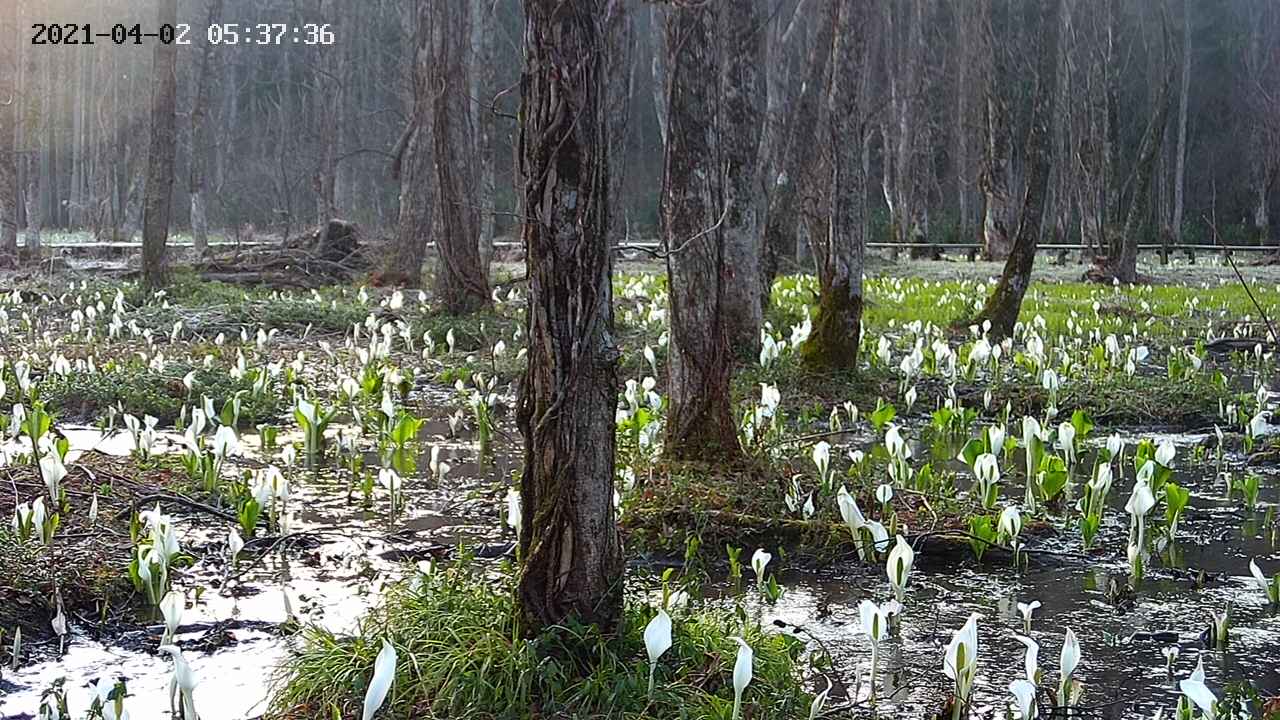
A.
pixel 1005 301
pixel 462 282
pixel 571 552
pixel 741 125
pixel 160 155
pixel 700 425
pixel 797 156
pixel 837 327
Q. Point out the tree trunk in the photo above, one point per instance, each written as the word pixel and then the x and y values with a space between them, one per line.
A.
pixel 837 328
pixel 571 551
pixel 201 136
pixel 1005 301
pixel 160 156
pixel 700 425
pixel 659 71
pixel 1122 261
pixel 9 196
pixel 621 38
pixel 484 36
pixel 35 213
pixel 414 165
pixel 1180 166
pixel 461 283
pixel 997 201
pixel 798 157
pixel 780 39
pixel 741 122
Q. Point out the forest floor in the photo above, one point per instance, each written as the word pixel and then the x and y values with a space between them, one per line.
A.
pixel 1170 360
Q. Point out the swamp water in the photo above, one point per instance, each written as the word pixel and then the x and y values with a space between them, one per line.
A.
pixel 338 554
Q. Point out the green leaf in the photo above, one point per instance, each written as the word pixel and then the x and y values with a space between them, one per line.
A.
pixel 1083 424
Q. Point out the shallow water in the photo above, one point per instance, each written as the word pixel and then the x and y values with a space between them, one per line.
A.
pixel 346 551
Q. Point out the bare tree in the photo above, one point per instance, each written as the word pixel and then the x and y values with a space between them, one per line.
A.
pixel 572 555
pixel 659 72
pixel 837 327
pixel 202 134
pixel 904 124
pixel 741 120
pixel 1122 256
pixel 413 166
pixel 619 89
pixel 1261 71
pixel 1005 301
pixel 994 179
pixel 700 425
pixel 484 32
pixel 1180 159
pixel 9 195
pixel 461 281
pixel 798 156
pixel 160 156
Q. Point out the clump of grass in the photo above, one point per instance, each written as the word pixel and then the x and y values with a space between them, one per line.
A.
pixel 1121 400
pixel 461 655
pixel 143 391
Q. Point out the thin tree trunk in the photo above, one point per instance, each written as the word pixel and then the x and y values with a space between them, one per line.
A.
pixel 658 68
pixel 414 165
pixel 160 156
pixel 461 283
pixel 798 157
pixel 837 327
pixel 620 36
pixel 994 179
pixel 572 554
pixel 9 196
pixel 780 39
pixel 1180 167
pixel 201 135
pixel 35 213
pixel 1122 262
pixel 700 425
pixel 740 128
pixel 483 80
pixel 1005 301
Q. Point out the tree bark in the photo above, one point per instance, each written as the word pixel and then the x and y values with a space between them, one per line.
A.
pixel 461 283
pixel 572 554
pixel 780 39
pixel 1005 301
pixel 621 38
pixel 201 136
pixel 741 122
pixel 160 156
pixel 659 71
pixel 700 425
pixel 35 213
pixel 483 43
pixel 1122 260
pixel 413 165
pixel 837 327
pixel 1180 166
pixel 9 195
pixel 994 180
pixel 798 157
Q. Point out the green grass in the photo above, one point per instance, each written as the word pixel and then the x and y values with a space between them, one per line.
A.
pixel 460 656
pixel 142 391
